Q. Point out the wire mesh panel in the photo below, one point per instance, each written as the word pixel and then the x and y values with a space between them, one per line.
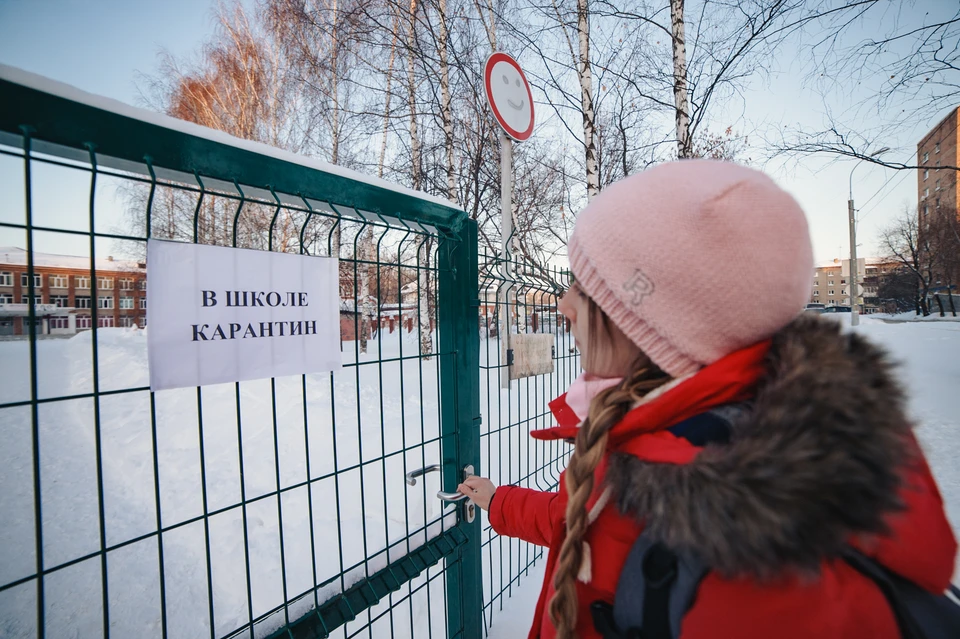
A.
pixel 524 298
pixel 273 507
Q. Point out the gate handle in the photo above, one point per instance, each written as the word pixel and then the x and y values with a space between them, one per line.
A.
pixel 411 479
pixel 420 472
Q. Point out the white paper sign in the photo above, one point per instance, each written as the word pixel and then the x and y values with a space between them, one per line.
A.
pixel 532 354
pixel 218 314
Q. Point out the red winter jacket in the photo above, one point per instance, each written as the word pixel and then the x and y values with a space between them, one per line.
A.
pixel 814 462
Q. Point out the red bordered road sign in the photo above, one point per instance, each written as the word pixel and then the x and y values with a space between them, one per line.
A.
pixel 508 93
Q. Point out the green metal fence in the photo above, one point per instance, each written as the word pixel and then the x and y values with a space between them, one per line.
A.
pixel 528 296
pixel 267 508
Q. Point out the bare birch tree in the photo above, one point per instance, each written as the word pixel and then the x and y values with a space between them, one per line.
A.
pixel 678 43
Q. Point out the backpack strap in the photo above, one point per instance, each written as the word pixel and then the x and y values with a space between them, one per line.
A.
pixel 920 613
pixel 657 586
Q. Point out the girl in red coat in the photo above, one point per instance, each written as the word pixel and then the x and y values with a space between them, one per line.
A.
pixel 715 419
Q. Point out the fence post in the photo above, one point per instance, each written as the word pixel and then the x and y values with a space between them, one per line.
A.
pixel 460 412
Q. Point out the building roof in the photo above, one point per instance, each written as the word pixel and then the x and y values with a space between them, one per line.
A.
pixel 869 261
pixel 16 256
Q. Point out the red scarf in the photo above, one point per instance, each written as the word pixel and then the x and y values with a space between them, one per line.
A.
pixel 728 380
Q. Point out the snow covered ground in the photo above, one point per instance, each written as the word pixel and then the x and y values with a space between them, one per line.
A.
pixel 929 358
pixel 387 511
pixel 356 510
pixel 913 317
pixel 359 503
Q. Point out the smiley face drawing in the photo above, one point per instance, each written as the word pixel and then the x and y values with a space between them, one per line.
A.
pixel 509 95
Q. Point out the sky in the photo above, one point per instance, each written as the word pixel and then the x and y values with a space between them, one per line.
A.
pixel 102 46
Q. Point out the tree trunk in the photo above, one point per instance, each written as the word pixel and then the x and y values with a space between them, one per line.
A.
pixel 412 98
pixel 425 311
pixel 586 98
pixel 365 306
pixel 489 24
pixel 680 98
pixel 387 97
pixel 335 114
pixel 446 110
pixel 424 281
pixel 369 309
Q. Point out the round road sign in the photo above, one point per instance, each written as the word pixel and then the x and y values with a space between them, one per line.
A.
pixel 509 95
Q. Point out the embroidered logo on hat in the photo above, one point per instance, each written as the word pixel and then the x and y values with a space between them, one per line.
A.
pixel 640 286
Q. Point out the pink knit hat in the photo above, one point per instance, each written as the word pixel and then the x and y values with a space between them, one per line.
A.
pixel 694 259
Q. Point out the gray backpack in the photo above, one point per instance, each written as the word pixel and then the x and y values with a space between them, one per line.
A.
pixel 658 585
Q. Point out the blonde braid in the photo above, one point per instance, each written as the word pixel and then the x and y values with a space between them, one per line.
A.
pixel 606 410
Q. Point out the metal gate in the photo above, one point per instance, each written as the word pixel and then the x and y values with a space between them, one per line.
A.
pixel 267 508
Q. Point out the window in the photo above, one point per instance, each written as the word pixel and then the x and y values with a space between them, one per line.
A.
pixel 926 173
pixel 58 281
pixel 143 321
pixel 843 291
pixel 143 303
pixel 25 282
pixel 926 210
pixel 62 301
pixel 936 149
pixel 105 322
pixel 126 285
pixel 105 301
pixel 143 285
pixel 59 322
pixel 938 165
pixel 6 279
pixel 105 283
pixel 830 283
pixel 6 298
pixel 816 283
pixel 126 302
pixel 126 322
pixel 926 192
pixel 843 281
pixel 25 299
pixel 830 293
pixel 926 156
pixel 938 185
pixel 816 293
pixel 82 301
pixel 83 321
pixel 82 281
pixel 936 203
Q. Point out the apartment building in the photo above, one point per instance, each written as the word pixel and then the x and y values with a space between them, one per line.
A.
pixel 65 290
pixel 937 195
pixel 831 282
pixel 937 186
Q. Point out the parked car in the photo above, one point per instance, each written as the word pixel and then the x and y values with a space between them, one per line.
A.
pixel 814 308
pixel 837 309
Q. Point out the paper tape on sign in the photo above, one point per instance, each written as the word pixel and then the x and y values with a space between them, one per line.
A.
pixel 532 354
pixel 218 314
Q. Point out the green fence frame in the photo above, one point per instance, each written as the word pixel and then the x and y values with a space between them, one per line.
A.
pixel 72 129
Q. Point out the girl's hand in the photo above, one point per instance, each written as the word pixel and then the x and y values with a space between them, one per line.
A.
pixel 479 489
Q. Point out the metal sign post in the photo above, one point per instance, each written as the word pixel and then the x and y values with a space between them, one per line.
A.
pixel 511 100
pixel 506 291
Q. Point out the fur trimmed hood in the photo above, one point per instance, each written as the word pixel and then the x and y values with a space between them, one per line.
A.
pixel 815 462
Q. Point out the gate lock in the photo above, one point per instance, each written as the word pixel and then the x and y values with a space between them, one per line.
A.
pixel 470 509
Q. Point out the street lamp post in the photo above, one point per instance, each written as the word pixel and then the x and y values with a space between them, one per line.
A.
pixel 854 285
